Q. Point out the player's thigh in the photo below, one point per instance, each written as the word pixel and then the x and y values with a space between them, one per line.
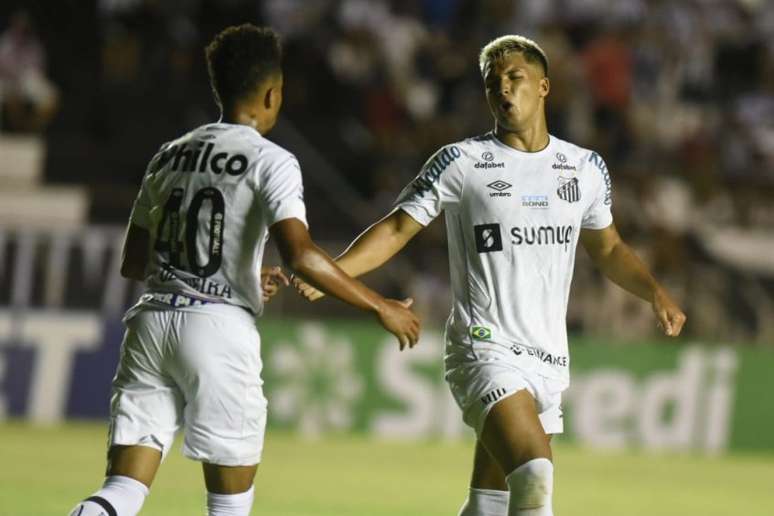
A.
pixel 219 372
pixel 512 432
pixel 146 404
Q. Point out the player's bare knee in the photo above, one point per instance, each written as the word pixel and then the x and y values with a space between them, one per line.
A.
pixel 531 484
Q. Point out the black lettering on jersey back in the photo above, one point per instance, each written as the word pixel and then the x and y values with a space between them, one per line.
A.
pixel 198 156
pixel 488 238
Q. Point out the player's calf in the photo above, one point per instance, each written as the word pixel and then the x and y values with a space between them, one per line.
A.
pixel 119 496
pixel 531 486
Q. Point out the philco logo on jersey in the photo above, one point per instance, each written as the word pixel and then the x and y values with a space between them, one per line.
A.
pixel 499 186
pixel 569 190
pixel 434 168
pixel 562 165
pixel 198 157
pixel 488 157
pixel 597 160
pixel 538 202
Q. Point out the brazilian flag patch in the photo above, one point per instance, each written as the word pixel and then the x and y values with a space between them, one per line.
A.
pixel 480 333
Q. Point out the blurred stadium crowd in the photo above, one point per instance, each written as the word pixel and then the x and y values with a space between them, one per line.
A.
pixel 678 96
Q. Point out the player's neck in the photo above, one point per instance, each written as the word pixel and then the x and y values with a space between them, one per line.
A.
pixel 240 119
pixel 532 139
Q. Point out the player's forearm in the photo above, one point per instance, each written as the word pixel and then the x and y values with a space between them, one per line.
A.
pixel 320 271
pixel 626 270
pixel 370 250
pixel 377 244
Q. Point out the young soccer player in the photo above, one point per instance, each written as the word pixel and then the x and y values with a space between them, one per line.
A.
pixel 191 354
pixel 517 201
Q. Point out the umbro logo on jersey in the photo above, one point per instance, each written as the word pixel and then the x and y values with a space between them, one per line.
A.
pixel 499 186
pixel 569 191
pixel 488 238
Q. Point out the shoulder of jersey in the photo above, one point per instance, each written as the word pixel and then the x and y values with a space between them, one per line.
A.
pixel 575 153
pixel 470 148
pixel 258 146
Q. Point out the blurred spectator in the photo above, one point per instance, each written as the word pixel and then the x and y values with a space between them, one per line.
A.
pixel 27 97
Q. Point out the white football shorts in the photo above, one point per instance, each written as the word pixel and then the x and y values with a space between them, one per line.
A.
pixel 479 380
pixel 198 369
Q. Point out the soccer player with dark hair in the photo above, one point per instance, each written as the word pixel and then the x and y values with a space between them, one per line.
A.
pixel 190 358
pixel 517 201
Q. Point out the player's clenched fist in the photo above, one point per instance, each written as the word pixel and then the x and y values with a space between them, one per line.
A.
pixel 305 289
pixel 670 318
pixel 272 278
pixel 397 319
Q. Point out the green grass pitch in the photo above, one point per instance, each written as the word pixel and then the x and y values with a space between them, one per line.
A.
pixel 46 470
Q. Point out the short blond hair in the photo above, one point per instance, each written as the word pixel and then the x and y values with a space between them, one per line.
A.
pixel 499 47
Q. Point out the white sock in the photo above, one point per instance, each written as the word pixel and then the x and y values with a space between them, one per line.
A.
pixel 485 502
pixel 230 504
pixel 119 496
pixel 531 486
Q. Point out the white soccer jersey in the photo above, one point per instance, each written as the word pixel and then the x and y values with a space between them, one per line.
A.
pixel 208 199
pixel 513 219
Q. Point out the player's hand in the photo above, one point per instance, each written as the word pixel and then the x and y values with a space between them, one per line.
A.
pixel 306 290
pixel 397 319
pixel 272 278
pixel 670 318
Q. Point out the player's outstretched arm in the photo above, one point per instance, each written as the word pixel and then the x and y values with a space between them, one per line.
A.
pixel 372 248
pixel 136 253
pixel 619 263
pixel 301 255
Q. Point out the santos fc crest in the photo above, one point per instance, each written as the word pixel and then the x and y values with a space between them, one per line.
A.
pixel 569 190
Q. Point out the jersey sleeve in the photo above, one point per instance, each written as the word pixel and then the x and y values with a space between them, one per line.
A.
pixel 598 214
pixel 437 187
pixel 282 192
pixel 140 215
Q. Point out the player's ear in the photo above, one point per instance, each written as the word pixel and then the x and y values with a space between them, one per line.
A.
pixel 272 98
pixel 544 87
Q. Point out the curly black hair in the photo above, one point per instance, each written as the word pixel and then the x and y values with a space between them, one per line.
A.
pixel 239 59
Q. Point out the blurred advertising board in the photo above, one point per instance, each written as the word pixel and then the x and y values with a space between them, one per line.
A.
pixel 348 376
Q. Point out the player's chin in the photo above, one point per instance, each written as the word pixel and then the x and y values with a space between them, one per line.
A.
pixel 510 124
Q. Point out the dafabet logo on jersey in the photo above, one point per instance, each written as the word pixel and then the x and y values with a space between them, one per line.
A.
pixel 488 238
pixel 488 158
